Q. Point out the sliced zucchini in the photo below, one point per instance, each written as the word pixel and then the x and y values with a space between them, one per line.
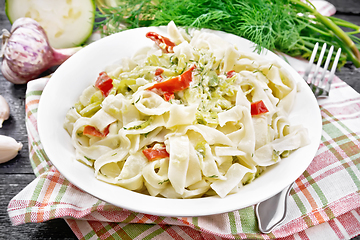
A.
pixel 67 23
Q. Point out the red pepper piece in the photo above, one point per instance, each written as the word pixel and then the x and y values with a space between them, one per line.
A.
pixel 168 96
pixel 164 43
pixel 230 74
pixel 104 83
pixel 258 108
pixel 92 131
pixel 159 71
pixel 175 84
pixel 158 76
pixel 155 153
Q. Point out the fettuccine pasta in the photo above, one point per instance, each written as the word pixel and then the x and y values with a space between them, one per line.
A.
pixel 191 116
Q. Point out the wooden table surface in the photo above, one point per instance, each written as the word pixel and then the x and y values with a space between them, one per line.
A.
pixel 17 173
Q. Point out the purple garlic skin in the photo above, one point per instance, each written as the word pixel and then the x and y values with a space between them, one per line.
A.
pixel 27 52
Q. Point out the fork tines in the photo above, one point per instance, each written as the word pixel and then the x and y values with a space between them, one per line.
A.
pixel 319 83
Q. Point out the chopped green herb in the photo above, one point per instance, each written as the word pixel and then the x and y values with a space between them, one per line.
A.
pixel 145 134
pixel 162 182
pixel 213 176
pixel 89 159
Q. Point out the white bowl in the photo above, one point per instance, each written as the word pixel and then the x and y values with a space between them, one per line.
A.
pixel 81 70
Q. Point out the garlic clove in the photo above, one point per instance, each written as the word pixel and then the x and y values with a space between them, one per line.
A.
pixel 4 110
pixel 9 148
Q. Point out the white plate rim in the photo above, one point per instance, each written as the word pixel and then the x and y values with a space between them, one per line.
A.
pixel 52 109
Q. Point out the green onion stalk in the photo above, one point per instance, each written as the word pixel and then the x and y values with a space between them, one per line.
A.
pixel 343 39
pixel 289 26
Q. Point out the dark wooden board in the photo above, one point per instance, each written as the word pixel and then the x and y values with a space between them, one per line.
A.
pixel 346 6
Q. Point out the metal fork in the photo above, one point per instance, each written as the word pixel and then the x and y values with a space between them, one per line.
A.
pixel 272 212
pixel 321 86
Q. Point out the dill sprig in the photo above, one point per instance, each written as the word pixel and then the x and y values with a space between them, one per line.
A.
pixel 288 26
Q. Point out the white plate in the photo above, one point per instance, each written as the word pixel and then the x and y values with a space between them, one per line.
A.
pixel 82 69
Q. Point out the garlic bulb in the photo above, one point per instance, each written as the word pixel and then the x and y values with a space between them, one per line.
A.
pixel 9 148
pixel 27 53
pixel 4 110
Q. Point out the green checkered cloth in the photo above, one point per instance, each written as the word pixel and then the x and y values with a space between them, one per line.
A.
pixel 324 202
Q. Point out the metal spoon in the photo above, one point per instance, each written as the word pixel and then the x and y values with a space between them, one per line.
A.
pixel 272 212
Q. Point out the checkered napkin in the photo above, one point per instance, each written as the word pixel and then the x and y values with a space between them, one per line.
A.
pixel 324 201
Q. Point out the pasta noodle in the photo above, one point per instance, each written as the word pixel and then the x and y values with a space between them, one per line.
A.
pixel 183 121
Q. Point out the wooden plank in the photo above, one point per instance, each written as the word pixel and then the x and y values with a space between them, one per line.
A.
pixel 12 184
pixel 349 73
pixel 346 6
